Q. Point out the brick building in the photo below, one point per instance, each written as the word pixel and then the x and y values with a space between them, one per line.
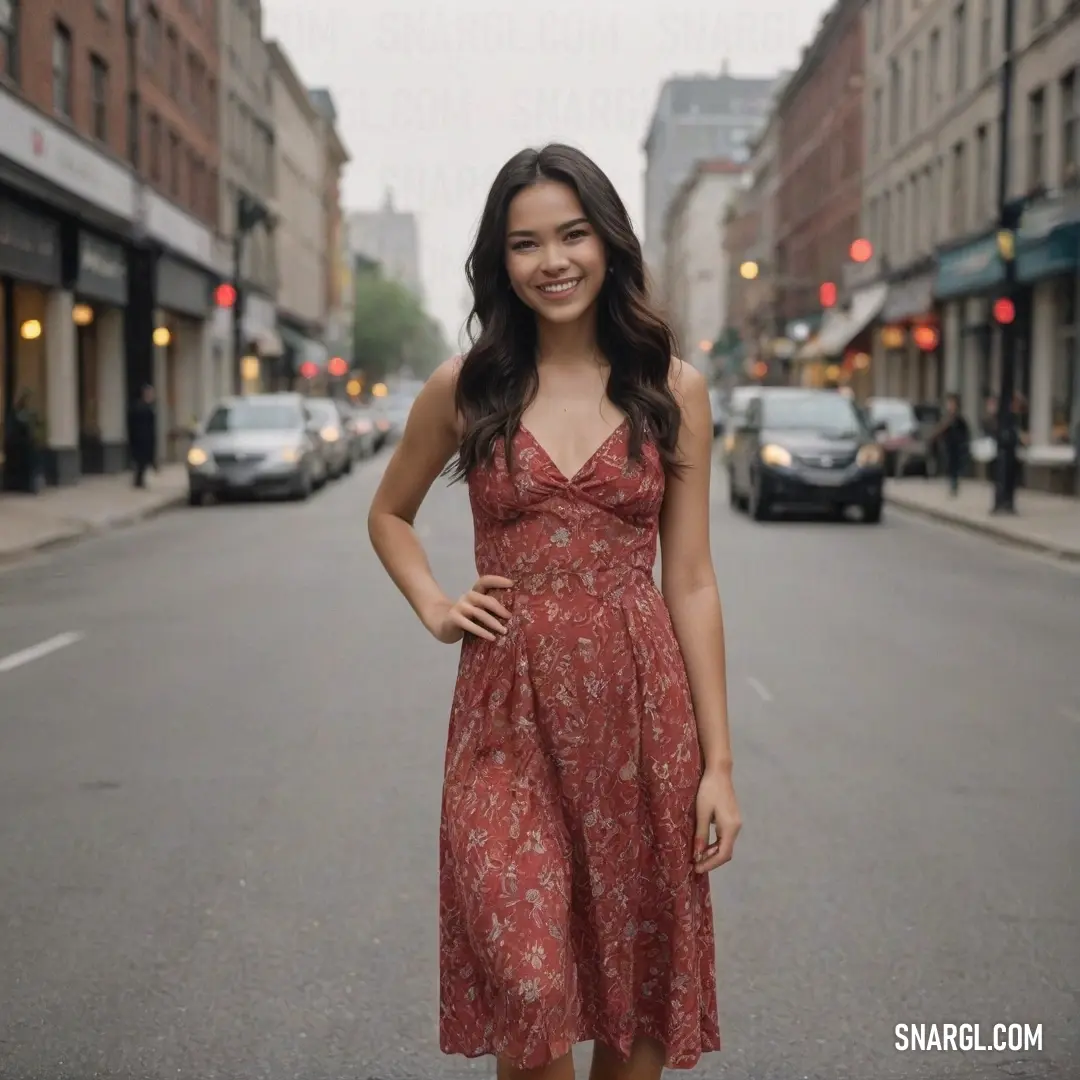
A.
pixel 819 161
pixel 104 284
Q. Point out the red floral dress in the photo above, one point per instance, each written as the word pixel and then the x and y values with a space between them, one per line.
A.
pixel 569 907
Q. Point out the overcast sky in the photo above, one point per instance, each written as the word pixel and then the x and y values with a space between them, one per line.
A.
pixel 434 95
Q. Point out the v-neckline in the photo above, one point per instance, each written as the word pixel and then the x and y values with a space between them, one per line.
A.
pixel 586 463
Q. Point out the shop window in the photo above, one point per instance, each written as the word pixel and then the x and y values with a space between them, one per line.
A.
pixel 1070 128
pixel 99 98
pixel 1063 380
pixel 61 70
pixel 1036 138
pixel 9 39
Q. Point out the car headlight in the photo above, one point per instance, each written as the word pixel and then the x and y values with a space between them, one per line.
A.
pixel 197 457
pixel 869 455
pixel 776 455
pixel 330 434
pixel 292 454
pixel 729 444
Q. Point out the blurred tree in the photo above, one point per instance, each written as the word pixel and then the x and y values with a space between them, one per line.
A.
pixel 391 330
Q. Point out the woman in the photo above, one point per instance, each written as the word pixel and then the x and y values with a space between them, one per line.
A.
pixel 579 793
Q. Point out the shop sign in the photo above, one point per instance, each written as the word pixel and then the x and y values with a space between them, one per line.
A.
pixel 29 245
pixel 973 268
pixel 102 270
pixel 184 290
pixel 47 150
pixel 908 299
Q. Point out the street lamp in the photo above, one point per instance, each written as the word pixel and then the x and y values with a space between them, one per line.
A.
pixel 249 215
pixel 749 270
pixel 1005 472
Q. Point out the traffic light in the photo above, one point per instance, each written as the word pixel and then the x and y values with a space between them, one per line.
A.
pixel 225 295
pixel 309 369
pixel 861 250
pixel 827 294
pixel 337 367
pixel 1004 311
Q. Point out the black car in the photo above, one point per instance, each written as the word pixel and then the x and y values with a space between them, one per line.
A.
pixel 805 448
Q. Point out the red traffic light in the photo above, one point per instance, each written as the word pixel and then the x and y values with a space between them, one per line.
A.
pixel 337 367
pixel 1004 311
pixel 926 337
pixel 309 369
pixel 827 294
pixel 861 250
pixel 225 295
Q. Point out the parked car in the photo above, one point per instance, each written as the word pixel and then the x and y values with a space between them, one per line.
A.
pixel 255 445
pixel 333 438
pixel 396 409
pixel 735 414
pixel 360 429
pixel 806 448
pixel 902 435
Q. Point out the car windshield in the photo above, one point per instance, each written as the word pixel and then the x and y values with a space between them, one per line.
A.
pixel 826 413
pixel 324 411
pixel 896 415
pixel 254 416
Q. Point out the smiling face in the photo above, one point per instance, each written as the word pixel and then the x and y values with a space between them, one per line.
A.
pixel 555 260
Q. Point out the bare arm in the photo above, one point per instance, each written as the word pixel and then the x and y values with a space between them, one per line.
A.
pixel 429 441
pixel 688 580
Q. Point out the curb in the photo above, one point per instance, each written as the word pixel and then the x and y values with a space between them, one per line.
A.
pixel 986 529
pixel 69 534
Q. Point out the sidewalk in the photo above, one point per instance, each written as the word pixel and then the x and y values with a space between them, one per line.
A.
pixel 95 504
pixel 1046 523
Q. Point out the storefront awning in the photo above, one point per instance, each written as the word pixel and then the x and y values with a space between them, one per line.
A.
pixel 268 343
pixel 839 327
pixel 909 299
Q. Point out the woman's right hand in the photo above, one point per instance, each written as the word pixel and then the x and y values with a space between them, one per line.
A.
pixel 476 612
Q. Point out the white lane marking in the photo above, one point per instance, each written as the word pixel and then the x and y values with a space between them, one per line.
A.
pixel 760 689
pixel 1070 714
pixel 36 652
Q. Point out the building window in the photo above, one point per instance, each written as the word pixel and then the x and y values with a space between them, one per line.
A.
pixel 61 70
pixel 174 164
pixel 986 36
pixel 935 68
pixel 9 39
pixel 152 36
pixel 957 220
pixel 1036 138
pixel 878 118
pixel 901 251
pixel 133 129
pixel 930 215
pixel 982 174
pixel 1039 15
pixel 99 98
pixel 173 48
pixel 154 138
pixel 879 25
pixel 1070 128
pixel 916 86
pixel 896 101
pixel 960 47
pixel 886 224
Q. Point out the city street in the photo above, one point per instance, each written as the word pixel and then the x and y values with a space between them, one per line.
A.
pixel 219 800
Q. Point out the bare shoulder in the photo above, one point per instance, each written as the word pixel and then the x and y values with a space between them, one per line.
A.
pixel 436 401
pixel 686 382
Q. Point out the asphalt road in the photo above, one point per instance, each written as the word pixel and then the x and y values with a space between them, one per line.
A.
pixel 218 806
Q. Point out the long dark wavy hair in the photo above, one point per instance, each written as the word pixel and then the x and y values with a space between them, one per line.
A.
pixel 498 379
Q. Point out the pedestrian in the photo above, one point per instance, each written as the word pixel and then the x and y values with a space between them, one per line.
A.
pixel 588 786
pixel 954 437
pixel 142 435
pixel 22 446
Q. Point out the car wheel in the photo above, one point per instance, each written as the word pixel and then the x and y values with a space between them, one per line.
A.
pixel 759 505
pixel 196 498
pixel 304 488
pixel 871 512
pixel 733 496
